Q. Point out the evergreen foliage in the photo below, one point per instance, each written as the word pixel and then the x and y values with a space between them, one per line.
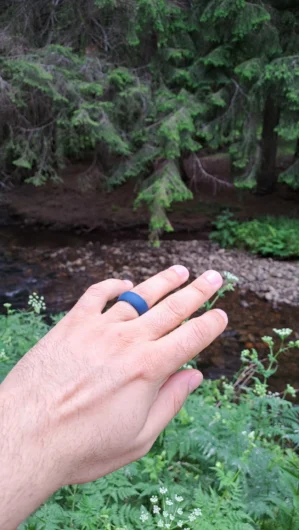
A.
pixel 138 86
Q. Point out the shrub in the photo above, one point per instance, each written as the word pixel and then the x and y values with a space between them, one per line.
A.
pixel 268 236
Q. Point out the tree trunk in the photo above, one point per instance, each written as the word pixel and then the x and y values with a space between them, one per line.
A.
pixel 267 176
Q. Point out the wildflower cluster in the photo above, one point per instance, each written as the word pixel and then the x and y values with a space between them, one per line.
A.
pixel 283 333
pixel 230 283
pixel 37 303
pixel 274 394
pixel 260 389
pixel 249 355
pixel 168 512
pixel 230 278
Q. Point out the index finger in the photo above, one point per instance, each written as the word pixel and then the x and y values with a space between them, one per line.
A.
pixel 170 353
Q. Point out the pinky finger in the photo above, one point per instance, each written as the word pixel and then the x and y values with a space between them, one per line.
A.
pixel 169 401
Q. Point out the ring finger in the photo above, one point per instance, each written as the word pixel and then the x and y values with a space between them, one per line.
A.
pixel 151 291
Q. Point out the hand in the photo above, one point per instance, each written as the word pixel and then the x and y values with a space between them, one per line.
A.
pixel 97 390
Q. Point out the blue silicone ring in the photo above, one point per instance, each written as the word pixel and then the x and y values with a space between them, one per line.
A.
pixel 135 301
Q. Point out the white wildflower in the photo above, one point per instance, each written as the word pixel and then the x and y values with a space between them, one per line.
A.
pixel 180 524
pixel 163 490
pixel 156 509
pixel 268 340
pixel 231 278
pixel 191 517
pixel 179 498
pixel 283 333
pixel 169 502
pixel 160 524
pixel 165 514
pixel 144 517
pixel 180 511
pixel 154 499
pixel 197 512
pixel 37 303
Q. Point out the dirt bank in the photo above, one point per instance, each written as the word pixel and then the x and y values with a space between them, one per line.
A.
pixel 70 205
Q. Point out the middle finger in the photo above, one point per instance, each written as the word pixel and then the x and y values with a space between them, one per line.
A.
pixel 173 310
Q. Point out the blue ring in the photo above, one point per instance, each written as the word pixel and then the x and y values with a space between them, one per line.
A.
pixel 135 301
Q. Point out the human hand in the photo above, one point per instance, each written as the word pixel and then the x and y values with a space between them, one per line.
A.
pixel 95 392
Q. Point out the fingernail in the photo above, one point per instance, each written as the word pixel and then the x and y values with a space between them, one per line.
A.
pixel 181 271
pixel 129 283
pixel 214 278
pixel 195 382
pixel 223 314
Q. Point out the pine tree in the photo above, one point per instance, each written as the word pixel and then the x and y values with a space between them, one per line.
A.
pixel 139 87
pixel 254 62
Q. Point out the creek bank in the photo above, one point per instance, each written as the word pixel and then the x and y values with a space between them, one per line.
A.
pixel 61 268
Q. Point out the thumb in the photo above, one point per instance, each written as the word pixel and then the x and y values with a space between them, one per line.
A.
pixel 170 400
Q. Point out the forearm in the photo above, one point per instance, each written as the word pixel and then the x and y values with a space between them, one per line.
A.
pixel 25 480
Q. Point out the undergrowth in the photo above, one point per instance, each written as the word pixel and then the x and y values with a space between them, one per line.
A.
pixel 268 236
pixel 228 461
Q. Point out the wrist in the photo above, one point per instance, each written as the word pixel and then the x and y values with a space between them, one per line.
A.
pixel 26 477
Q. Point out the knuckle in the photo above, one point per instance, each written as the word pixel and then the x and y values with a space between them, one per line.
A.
pixel 175 307
pixel 170 277
pixel 147 368
pixel 102 288
pixel 96 290
pixel 200 289
pixel 200 331
pixel 143 292
pixel 183 348
pixel 219 319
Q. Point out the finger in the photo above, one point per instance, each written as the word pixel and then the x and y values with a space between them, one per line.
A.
pixel 97 295
pixel 172 311
pixel 174 350
pixel 169 401
pixel 151 290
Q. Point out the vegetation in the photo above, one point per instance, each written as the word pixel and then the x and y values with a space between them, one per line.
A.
pixel 229 460
pixel 139 87
pixel 268 236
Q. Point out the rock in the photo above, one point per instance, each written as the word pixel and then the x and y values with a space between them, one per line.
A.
pixel 244 304
pixel 269 296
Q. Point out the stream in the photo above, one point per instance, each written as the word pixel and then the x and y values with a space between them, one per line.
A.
pixel 60 266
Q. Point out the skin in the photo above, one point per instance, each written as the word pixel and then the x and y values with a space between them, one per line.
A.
pixel 95 393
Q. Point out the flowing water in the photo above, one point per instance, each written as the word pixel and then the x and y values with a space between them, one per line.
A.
pixel 60 266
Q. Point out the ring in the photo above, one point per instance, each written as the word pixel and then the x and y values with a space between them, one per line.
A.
pixel 135 301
